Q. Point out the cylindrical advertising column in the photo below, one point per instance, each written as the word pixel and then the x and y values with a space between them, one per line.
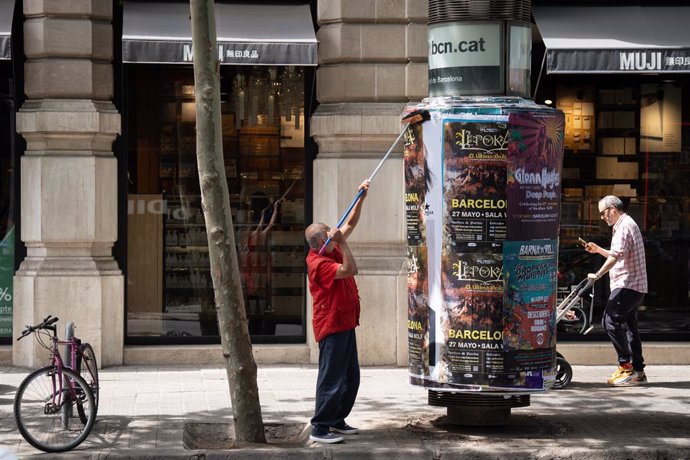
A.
pixel 482 198
pixel 482 180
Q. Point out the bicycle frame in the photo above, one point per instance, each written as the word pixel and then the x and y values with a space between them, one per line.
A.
pixel 58 381
pixel 74 351
pixel 72 348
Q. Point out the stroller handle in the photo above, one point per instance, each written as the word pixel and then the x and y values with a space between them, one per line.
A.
pixel 570 300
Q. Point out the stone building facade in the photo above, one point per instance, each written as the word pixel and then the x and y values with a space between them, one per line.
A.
pixel 371 62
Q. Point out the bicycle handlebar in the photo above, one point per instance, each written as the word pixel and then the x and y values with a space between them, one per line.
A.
pixel 47 323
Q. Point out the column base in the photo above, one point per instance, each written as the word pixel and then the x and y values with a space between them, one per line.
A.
pixel 95 303
pixel 475 409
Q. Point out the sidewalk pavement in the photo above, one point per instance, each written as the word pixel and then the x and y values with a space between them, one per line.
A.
pixel 143 412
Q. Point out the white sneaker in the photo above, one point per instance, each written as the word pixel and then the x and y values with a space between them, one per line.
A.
pixel 328 438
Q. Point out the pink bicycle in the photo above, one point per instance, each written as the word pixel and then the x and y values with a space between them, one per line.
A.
pixel 45 402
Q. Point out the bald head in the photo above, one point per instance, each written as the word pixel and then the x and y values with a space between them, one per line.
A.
pixel 316 234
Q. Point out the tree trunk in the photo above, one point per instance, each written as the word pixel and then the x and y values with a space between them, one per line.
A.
pixel 215 202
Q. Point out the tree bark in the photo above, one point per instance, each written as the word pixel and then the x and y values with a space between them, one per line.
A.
pixel 215 202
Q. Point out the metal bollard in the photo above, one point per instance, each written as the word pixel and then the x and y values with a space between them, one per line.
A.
pixel 67 356
pixel 66 412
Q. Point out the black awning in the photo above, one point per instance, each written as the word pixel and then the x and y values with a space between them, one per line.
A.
pixel 247 34
pixel 6 13
pixel 608 39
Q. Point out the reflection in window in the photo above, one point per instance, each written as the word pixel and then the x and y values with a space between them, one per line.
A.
pixel 169 290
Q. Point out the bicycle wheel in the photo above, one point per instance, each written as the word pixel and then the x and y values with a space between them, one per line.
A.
pixel 43 409
pixel 87 367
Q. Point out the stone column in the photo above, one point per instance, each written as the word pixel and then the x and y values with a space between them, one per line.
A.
pixel 69 179
pixel 372 61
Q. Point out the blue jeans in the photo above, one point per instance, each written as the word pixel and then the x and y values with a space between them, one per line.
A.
pixel 620 323
pixel 338 380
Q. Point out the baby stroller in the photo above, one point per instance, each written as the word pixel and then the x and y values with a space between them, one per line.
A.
pixel 572 317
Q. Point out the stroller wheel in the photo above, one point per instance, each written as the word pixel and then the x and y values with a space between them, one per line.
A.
pixel 564 373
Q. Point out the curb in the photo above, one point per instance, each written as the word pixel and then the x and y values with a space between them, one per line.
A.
pixel 363 452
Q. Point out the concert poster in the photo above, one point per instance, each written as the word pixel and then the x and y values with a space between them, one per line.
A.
pixel 529 337
pixel 472 313
pixel 474 179
pixel 417 311
pixel 416 179
pixel 535 159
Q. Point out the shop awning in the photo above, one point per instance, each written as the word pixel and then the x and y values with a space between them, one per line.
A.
pixel 620 39
pixel 6 13
pixel 250 34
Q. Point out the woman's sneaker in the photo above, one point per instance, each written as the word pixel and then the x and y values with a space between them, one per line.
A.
pixel 327 438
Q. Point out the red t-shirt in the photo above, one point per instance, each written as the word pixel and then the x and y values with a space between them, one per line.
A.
pixel 336 301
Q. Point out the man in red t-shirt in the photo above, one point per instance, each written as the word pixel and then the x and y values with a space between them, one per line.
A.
pixel 335 316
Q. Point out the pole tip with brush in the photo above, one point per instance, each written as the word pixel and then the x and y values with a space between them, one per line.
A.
pixel 416 116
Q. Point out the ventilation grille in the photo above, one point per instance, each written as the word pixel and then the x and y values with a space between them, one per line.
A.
pixel 479 10
pixel 445 399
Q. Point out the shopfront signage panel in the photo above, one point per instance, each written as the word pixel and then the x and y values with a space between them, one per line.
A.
pixel 653 60
pixel 238 53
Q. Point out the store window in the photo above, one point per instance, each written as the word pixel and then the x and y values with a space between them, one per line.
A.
pixel 169 290
pixel 628 136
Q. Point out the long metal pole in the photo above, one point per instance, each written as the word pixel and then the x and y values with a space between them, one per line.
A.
pixel 371 177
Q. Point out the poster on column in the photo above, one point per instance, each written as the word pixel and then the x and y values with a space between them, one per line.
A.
pixel 471 318
pixel 535 157
pixel 417 311
pixel 474 179
pixel 529 306
pixel 416 175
